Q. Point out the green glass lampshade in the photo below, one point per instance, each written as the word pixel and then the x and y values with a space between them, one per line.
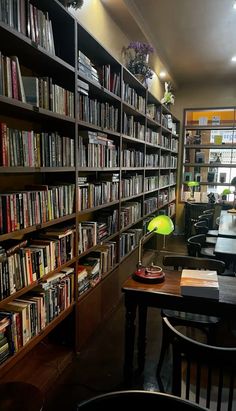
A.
pixel 192 183
pixel 162 224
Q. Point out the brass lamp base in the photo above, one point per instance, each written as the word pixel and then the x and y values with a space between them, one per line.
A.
pixel 150 275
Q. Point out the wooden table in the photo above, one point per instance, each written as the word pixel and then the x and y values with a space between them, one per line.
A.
pixel 167 295
pixel 227 225
pixel 225 249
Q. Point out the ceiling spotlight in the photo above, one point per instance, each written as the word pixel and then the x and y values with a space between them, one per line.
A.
pixel 233 59
pixel 162 74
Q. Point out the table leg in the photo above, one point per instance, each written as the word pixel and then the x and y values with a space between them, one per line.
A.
pixel 142 337
pixel 130 316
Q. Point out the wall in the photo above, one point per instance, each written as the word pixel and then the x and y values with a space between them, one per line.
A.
pixel 95 19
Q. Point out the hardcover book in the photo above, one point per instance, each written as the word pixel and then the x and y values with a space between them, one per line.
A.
pixel 199 283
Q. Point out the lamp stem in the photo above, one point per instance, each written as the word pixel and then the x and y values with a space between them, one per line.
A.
pixel 164 241
pixel 141 241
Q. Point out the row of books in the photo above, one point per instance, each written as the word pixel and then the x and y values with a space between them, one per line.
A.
pixel 103 75
pixel 130 213
pixel 154 112
pixel 95 265
pixel 97 194
pixel 131 186
pixel 152 160
pixel 129 240
pixel 100 114
pixel 24 262
pixel 87 68
pixel 96 150
pixel 152 136
pixel 132 157
pixel 42 92
pixel 31 149
pixel 150 205
pixel 29 20
pixel 151 182
pixel 31 313
pixel 37 91
pixel 133 128
pixel 130 95
pixel 166 160
pixel 109 79
pixel 36 204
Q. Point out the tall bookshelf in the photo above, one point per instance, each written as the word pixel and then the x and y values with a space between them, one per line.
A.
pixel 88 156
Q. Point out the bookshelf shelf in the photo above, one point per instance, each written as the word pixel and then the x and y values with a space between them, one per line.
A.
pixel 118 146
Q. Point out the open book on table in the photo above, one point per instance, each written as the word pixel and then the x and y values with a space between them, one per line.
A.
pixel 199 283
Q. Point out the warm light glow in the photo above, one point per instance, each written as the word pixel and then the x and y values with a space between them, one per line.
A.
pixel 162 74
pixel 162 224
pixel 233 59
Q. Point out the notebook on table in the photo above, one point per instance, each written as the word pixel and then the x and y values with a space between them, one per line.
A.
pixel 199 283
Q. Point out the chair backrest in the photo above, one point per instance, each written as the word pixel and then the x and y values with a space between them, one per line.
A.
pixel 208 218
pixel 208 211
pixel 201 227
pixel 202 373
pixel 183 261
pixel 113 401
pixel 195 243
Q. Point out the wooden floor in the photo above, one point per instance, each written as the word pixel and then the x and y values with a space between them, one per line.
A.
pixel 99 367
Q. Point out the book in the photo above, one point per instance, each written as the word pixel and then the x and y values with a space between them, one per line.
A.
pixel 199 283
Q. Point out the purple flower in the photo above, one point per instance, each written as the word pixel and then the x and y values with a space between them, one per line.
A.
pixel 139 47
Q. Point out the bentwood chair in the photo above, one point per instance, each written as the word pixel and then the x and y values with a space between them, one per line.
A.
pixel 197 247
pixel 202 373
pixel 116 401
pixel 205 323
pixel 202 228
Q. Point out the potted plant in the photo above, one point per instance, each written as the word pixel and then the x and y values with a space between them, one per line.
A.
pixel 168 97
pixel 137 55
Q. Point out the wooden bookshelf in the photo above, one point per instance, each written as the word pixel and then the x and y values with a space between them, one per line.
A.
pixel 119 172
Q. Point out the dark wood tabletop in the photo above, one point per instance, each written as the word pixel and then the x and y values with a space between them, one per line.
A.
pixel 139 296
pixel 227 225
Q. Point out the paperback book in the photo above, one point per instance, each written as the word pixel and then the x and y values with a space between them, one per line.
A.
pixel 199 283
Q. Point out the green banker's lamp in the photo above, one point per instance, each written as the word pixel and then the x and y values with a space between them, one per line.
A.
pixel 191 185
pixel 162 224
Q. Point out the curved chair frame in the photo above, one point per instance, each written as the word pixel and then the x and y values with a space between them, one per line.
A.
pixel 205 323
pixel 138 399
pixel 209 371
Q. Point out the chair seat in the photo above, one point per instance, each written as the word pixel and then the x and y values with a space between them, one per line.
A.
pixel 190 317
pixel 208 252
pixel 211 240
pixel 213 233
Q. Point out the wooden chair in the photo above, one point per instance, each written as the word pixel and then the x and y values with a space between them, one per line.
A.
pixel 201 228
pixel 138 399
pixel 203 322
pixel 202 373
pixel 196 247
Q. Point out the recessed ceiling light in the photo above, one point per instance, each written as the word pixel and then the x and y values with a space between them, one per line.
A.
pixel 162 74
pixel 233 59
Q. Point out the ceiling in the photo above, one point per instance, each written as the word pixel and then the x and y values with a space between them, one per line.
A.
pixel 194 40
